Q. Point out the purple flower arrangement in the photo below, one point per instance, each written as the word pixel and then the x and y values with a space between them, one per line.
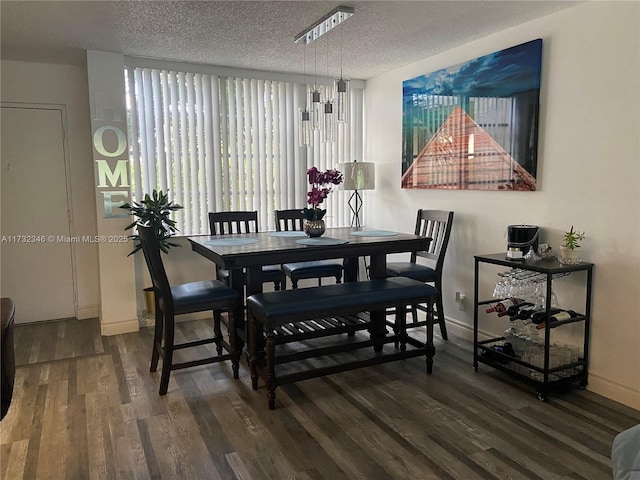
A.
pixel 321 186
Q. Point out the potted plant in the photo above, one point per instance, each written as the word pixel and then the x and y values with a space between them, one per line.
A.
pixel 569 250
pixel 153 210
pixel 321 186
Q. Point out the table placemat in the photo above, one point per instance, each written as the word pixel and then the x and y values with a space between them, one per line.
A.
pixel 228 242
pixel 290 233
pixel 321 241
pixel 374 233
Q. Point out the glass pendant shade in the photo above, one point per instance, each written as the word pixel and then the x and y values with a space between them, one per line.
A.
pixel 329 122
pixel 342 99
pixel 315 107
pixel 305 128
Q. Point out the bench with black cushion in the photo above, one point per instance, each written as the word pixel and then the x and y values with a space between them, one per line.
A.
pixel 328 311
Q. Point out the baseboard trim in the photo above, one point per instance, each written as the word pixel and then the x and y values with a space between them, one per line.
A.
pixel 614 391
pixel 116 328
pixel 88 311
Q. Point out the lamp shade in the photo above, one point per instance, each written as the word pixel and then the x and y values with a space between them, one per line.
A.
pixel 358 175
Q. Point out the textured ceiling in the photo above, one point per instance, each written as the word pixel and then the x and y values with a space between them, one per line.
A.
pixel 257 35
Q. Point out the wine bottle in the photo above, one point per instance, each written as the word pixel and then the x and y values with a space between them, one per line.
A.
pixel 523 314
pixel 540 316
pixel 514 309
pixel 503 305
pixel 563 315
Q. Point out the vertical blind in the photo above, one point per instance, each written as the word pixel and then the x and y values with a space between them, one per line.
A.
pixel 220 143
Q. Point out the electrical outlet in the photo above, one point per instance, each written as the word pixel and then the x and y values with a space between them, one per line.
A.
pixel 461 301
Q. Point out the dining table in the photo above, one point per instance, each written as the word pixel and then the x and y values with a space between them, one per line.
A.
pixel 245 254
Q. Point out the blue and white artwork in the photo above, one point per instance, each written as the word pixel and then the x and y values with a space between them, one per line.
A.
pixel 474 125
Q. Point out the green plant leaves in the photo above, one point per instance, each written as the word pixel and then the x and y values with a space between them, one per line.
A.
pixel 154 210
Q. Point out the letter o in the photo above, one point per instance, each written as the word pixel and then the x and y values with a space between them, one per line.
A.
pixel 97 141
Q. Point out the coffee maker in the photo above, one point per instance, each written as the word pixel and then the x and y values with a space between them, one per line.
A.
pixel 520 238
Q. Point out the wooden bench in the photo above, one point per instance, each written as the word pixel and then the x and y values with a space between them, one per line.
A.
pixel 332 311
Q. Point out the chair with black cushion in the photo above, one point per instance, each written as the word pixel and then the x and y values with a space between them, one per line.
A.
pixel 226 223
pixel 181 299
pixel 293 220
pixel 435 224
pixel 7 356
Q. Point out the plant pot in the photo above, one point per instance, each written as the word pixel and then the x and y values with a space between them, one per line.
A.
pixel 568 256
pixel 314 228
pixel 150 300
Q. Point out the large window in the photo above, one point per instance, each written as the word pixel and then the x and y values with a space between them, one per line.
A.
pixel 228 143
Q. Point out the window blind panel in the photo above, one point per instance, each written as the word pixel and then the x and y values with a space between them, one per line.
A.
pixel 209 155
pixel 263 185
pixel 281 160
pixel 215 182
pixel 254 178
pixel 158 131
pixel 240 139
pixel 201 134
pixel 147 137
pixel 184 148
pixel 174 120
pixel 224 145
pixel 134 133
pixel 191 172
pixel 291 144
pixel 166 166
pixel 247 141
pixel 233 147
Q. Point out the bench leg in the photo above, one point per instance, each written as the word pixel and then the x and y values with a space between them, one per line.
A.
pixel 431 349
pixel 270 348
pixel 253 358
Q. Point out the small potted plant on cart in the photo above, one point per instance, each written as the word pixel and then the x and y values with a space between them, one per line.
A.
pixel 570 249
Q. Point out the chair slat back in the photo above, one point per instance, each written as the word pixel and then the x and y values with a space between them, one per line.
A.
pixel 289 220
pixel 225 223
pixel 437 225
pixel 153 258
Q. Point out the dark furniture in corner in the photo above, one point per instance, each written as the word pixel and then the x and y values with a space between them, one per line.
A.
pixel 8 365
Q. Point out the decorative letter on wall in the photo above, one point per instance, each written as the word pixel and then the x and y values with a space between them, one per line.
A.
pixel 474 125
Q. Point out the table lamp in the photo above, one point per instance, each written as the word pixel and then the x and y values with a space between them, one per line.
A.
pixel 357 176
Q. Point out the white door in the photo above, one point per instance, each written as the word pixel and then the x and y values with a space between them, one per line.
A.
pixel 36 256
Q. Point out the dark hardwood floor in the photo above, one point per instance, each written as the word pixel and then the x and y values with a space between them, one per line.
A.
pixel 86 407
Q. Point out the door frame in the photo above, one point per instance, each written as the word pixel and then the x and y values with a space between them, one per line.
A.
pixel 62 110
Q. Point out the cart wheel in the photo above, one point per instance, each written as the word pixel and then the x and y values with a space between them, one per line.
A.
pixel 542 396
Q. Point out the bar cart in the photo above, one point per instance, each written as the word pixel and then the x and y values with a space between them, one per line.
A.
pixel 543 375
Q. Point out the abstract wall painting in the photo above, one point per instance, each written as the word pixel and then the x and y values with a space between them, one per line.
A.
pixel 474 126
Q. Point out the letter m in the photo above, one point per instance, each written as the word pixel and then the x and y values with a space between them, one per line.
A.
pixel 119 173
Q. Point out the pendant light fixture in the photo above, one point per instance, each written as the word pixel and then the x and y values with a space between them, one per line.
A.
pixel 324 108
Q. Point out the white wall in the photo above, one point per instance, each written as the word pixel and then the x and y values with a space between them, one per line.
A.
pixel 588 174
pixel 44 83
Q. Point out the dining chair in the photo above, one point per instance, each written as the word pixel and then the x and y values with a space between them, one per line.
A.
pixel 7 355
pixel 181 299
pixel 226 223
pixel 435 224
pixel 293 220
